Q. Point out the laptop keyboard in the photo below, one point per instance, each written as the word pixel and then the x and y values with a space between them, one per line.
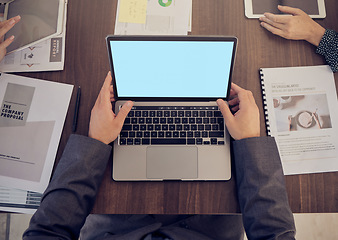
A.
pixel 157 125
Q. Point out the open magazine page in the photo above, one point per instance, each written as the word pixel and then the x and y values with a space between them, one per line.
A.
pixel 301 107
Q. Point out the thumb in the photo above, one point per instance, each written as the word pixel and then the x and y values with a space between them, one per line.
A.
pixel 225 110
pixel 121 116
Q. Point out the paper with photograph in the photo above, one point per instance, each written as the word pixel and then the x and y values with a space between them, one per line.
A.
pixel 301 111
pixel 31 121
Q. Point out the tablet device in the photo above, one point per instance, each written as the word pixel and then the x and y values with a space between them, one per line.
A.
pixel 40 20
pixel 256 8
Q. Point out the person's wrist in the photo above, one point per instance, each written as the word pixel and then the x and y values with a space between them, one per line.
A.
pixel 242 134
pixel 100 140
pixel 316 35
pixel 100 136
pixel 93 136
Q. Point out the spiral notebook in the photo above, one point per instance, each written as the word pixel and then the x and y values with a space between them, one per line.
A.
pixel 300 112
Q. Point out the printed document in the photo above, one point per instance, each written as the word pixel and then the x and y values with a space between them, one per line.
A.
pixel 301 113
pixel 48 55
pixel 21 201
pixel 153 17
pixel 32 114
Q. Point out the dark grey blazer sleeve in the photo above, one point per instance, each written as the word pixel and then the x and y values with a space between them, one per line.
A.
pixel 261 190
pixel 71 194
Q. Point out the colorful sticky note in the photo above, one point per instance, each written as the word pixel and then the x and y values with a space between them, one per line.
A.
pixel 133 11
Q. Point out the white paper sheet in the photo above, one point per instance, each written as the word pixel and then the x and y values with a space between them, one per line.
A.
pixel 173 19
pixel 301 106
pixel 31 122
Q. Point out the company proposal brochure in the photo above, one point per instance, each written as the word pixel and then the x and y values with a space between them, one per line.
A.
pixel 32 115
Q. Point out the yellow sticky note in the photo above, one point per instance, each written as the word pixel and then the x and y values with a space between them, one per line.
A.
pixel 133 11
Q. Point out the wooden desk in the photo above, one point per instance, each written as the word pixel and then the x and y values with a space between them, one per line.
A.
pixel 86 65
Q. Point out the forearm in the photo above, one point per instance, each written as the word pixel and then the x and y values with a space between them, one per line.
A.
pixel 328 47
pixel 71 194
pixel 261 190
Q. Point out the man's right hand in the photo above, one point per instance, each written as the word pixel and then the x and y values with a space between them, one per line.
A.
pixel 104 125
pixel 244 123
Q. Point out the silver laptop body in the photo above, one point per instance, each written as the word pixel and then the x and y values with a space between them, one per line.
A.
pixel 175 130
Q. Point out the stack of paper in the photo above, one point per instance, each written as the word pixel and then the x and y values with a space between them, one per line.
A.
pixel 153 17
pixel 32 115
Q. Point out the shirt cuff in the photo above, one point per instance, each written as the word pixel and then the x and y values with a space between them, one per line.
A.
pixel 328 48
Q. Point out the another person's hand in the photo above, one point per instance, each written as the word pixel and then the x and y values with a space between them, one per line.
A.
pixel 5 26
pixel 298 26
pixel 244 123
pixel 104 125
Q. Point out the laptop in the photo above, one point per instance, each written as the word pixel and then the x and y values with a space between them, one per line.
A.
pixel 175 130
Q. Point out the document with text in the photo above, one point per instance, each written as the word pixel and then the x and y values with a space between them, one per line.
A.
pixel 20 201
pixel 301 113
pixel 153 17
pixel 32 115
pixel 48 55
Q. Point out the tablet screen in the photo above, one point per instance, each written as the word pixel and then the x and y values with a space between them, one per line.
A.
pixel 262 6
pixel 39 19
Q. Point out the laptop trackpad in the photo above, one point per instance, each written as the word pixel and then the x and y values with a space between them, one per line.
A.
pixel 171 162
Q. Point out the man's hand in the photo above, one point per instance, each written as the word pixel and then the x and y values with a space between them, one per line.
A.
pixel 5 26
pixel 244 123
pixel 104 125
pixel 298 26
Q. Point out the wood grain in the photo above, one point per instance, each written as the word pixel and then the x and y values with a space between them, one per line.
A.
pixel 89 22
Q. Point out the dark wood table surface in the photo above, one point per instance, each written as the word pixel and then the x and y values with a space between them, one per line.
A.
pixel 86 64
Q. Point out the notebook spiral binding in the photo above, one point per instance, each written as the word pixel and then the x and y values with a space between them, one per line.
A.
pixel 265 108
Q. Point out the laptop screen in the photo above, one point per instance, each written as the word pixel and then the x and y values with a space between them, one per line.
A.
pixel 172 68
